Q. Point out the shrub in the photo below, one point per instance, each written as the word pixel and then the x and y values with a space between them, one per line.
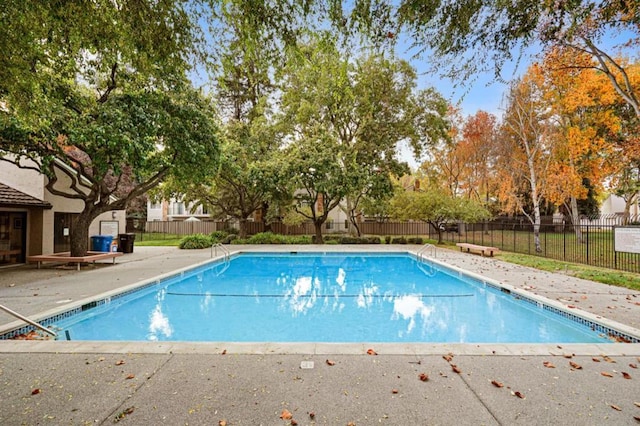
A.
pixel 218 236
pixel 399 240
pixel 373 240
pixel 415 240
pixel 195 241
pixel 387 239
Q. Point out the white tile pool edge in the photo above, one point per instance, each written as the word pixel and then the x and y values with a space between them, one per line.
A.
pixel 7 346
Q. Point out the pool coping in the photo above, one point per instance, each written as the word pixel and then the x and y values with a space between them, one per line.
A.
pixel 62 346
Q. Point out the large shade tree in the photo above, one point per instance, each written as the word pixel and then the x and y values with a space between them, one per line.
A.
pixel 97 92
pixel 358 110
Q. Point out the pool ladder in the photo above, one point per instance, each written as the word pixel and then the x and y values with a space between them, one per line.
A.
pixel 28 321
pixel 226 256
pixel 421 253
pixel 225 252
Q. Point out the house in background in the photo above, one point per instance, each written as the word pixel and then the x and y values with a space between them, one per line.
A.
pixel 614 205
pixel 173 210
pixel 34 221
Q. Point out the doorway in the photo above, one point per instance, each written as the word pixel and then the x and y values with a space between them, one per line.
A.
pixel 13 237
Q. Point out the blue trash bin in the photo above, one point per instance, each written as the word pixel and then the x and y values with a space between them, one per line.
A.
pixel 101 243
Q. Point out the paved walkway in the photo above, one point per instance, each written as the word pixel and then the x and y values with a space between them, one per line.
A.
pixel 241 384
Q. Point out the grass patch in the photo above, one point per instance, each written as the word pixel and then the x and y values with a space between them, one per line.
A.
pixel 597 274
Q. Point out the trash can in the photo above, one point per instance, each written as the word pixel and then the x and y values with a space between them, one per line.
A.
pixel 101 243
pixel 125 242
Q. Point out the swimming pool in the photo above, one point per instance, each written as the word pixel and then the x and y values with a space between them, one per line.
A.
pixel 326 297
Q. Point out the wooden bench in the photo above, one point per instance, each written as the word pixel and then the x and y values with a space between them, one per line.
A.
pixel 477 248
pixel 66 257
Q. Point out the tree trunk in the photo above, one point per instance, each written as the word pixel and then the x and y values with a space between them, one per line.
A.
pixel 243 228
pixel 575 220
pixel 318 227
pixel 79 237
pixel 536 228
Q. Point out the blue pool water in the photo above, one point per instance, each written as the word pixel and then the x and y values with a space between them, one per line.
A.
pixel 312 297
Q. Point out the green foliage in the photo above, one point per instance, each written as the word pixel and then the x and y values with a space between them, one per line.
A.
pixel 399 240
pixel 270 238
pixel 195 241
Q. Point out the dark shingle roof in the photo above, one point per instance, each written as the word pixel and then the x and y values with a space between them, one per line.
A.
pixel 12 197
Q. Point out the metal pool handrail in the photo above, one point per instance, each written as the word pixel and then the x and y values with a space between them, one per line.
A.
pixel 28 321
pixel 420 253
pixel 225 252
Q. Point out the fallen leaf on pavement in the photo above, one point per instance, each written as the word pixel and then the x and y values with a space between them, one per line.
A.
pixel 121 362
pixel 36 391
pixel 615 407
pixel 448 357
pixel 568 356
pixel 455 369
pixel 286 415
pixel 124 413
pixel 224 352
pixel 293 423
pixel 632 365
pixel 222 423
pixel 312 414
pixel 595 359
pixel 394 391
pixel 497 384
pixel 518 394
pixel 548 364
pixel 130 376
pixel 605 374
pixel 371 352
pixel 575 365
pixel 423 377
pixel 637 404
pixel 329 362
pixel 626 375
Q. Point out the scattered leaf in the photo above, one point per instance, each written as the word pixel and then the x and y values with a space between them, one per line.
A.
pixel 615 407
pixel 626 375
pixel 394 391
pixel 424 377
pixel 124 413
pixel 575 365
pixel 36 391
pixel 606 358
pixel 312 414
pixel 497 384
pixel 448 357
pixel 351 424
pixel 519 394
pixel 632 365
pixel 224 352
pixel 568 356
pixel 637 418
pixel 637 404
pixel 293 423
pixel 455 369
pixel 121 362
pixel 286 415
pixel 222 423
pixel 371 352
pixel 548 364
pixel 130 376
pixel 330 362
pixel 605 374
pixel 595 359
